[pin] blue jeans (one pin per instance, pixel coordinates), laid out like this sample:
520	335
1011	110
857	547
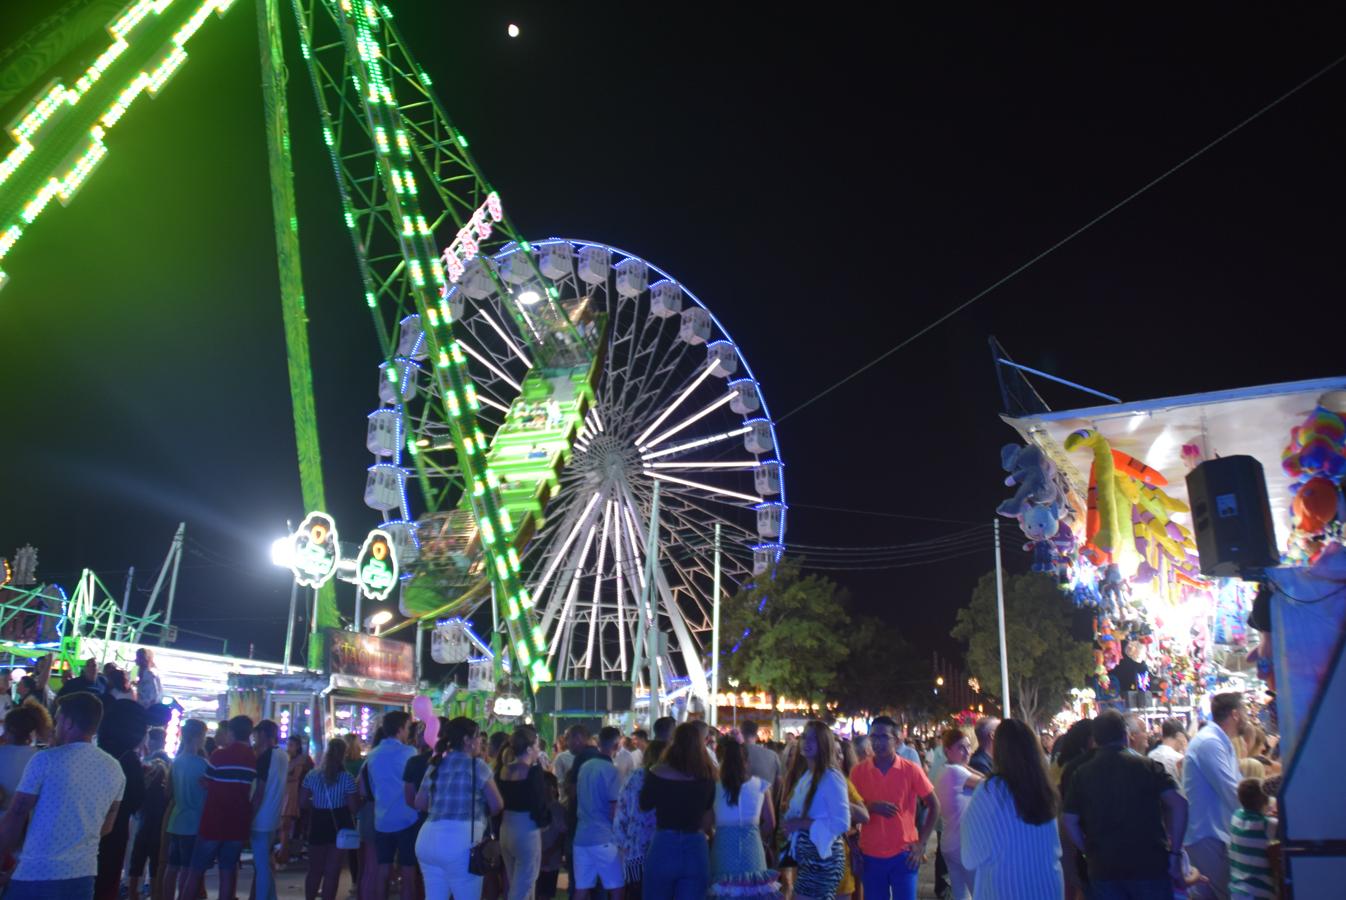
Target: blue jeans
1132	889
886	875
64	889
677	866
264	879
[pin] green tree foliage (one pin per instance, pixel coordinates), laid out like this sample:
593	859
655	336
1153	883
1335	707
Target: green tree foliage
882	672
1045	661
799	636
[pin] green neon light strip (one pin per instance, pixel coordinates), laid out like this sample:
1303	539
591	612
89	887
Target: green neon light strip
422	257
85	149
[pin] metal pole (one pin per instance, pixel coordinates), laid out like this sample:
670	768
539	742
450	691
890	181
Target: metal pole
647	603
289	624
359	603
173	579
715	636
420	647
1000	615
125	630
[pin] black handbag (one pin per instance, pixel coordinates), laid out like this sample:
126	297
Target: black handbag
484	858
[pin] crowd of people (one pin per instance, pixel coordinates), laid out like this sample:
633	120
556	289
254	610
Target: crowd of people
1108	810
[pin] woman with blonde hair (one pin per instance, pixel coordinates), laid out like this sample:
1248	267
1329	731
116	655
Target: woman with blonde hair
817	816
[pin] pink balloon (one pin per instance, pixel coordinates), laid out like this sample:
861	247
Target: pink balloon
422	708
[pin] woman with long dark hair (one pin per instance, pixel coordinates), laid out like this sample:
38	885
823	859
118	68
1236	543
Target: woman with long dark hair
459	794
524	792
818	814
680	789
328	796
1009	836
744	820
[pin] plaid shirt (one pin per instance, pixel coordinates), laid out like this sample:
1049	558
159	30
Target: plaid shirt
451	786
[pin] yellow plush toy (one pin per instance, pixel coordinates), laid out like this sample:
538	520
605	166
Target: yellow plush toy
1108	520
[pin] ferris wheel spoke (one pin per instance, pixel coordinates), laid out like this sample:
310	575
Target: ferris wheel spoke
693	444
485	316
582	521
672	407
598	584
572	587
711	489
689	421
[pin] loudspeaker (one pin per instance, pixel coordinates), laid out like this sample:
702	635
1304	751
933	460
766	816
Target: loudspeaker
1231	517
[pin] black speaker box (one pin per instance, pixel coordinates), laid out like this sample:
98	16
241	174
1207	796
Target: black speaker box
1231	517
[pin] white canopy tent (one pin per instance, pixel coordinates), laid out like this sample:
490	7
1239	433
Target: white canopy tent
1248	421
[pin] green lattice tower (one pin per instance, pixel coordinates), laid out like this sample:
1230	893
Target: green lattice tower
420	180
359	66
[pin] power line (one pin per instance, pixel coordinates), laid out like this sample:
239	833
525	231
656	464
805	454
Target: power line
881	514
1068	238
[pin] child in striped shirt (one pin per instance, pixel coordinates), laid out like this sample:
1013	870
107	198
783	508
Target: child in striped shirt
1250	830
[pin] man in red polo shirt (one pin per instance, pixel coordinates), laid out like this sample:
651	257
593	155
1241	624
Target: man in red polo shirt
890	842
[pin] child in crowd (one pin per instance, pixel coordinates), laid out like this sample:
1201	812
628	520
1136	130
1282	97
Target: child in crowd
1251	830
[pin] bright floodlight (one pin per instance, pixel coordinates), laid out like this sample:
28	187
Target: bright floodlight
513	30
379	619
282	552
528	298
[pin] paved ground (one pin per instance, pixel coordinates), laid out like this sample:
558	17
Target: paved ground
290	883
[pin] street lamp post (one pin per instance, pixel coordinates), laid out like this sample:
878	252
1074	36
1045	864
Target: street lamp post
376	621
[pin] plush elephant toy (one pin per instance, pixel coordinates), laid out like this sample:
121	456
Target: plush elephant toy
1032	475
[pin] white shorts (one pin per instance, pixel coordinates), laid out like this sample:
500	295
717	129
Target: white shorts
598	863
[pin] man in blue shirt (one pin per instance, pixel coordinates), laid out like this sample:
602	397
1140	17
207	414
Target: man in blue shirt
597	859
394	820
1210	779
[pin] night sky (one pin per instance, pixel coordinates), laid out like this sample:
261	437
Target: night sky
828	182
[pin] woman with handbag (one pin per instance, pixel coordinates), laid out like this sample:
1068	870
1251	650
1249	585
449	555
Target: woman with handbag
328	796
519	778
454	847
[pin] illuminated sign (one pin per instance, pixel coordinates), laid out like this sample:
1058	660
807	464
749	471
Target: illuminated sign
367	656
315	552
467	244
376	566
507	706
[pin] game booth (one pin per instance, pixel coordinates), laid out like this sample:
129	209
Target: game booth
363	677
1201	537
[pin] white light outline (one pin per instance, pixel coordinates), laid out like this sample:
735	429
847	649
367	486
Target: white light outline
705	373
704	487
707	410
691	445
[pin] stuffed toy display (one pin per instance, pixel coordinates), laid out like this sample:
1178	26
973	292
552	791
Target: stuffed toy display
1032	475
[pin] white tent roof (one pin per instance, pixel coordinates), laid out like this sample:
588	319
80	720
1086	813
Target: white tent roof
1249	421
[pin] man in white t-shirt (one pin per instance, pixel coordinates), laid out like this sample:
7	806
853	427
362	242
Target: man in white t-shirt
1169	751
72	791
268	794
954	790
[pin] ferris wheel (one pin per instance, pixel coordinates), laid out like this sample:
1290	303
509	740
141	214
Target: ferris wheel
663	396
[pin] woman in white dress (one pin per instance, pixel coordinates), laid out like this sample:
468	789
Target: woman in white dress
1009	835
954	788
743	821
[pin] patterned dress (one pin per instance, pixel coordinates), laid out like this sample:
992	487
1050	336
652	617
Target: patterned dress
634	828
738	866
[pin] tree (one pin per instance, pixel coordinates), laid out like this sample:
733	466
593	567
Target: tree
796	634
882	671
1045	660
